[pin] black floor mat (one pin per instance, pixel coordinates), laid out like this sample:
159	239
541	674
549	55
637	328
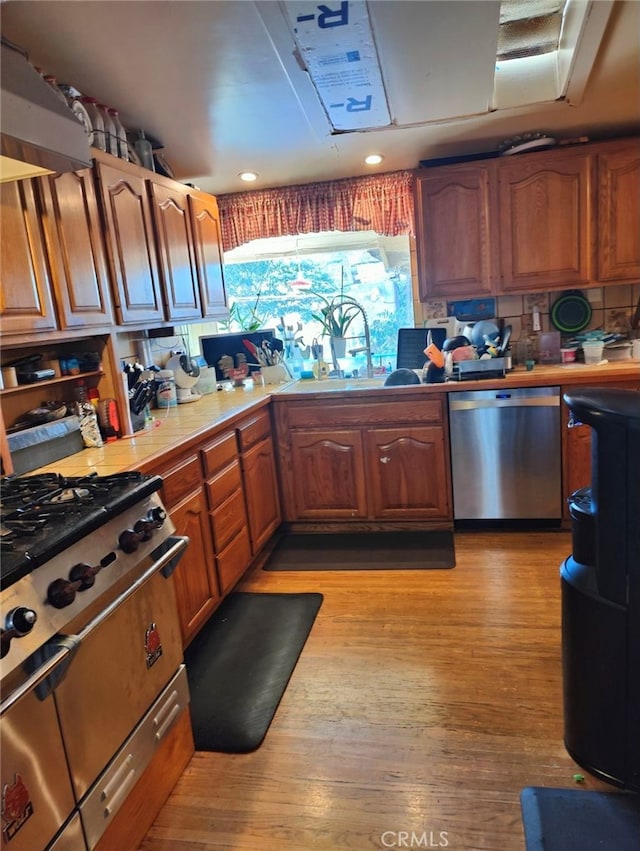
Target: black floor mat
579	820
364	551
240	663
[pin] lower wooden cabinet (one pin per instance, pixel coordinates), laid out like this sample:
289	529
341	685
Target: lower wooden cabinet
259	479
353	461
329	478
227	515
407	472
195	580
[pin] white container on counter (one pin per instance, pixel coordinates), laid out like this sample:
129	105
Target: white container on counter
166	396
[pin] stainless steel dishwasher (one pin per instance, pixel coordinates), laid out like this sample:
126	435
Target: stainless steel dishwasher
505	454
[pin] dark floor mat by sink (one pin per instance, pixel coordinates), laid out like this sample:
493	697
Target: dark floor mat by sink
239	666
364	551
579	820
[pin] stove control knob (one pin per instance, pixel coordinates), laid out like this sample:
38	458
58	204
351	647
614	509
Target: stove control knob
157	516
61	593
129	541
20	621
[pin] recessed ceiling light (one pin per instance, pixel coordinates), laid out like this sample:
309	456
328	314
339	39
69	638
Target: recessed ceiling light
249	176
373	159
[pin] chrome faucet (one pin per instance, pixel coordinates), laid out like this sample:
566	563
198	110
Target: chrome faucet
348	300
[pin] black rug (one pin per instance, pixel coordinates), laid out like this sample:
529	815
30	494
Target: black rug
239	665
579	820
364	551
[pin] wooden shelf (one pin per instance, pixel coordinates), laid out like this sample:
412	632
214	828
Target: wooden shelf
61	379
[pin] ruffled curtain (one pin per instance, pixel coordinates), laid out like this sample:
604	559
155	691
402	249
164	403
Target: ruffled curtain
382	203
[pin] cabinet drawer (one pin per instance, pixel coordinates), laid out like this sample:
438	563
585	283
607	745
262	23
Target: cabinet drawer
251	431
228	519
219	453
234	560
325	414
224	484
181	480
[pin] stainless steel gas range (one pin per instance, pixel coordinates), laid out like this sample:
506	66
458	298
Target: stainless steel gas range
91	661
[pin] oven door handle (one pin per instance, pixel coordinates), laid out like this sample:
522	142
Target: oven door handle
63	646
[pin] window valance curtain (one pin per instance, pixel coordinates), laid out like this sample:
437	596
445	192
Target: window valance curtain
382	203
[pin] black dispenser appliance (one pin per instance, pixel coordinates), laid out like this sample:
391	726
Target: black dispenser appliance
601	594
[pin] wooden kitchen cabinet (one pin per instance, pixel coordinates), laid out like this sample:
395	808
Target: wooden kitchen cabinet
556	219
26	301
130	241
455	223
227	513
76	250
393	455
259	479
546	217
329	480
354	461
195	580
207	244
175	249
619	211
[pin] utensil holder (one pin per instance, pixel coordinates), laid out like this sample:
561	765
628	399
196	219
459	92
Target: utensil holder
276	374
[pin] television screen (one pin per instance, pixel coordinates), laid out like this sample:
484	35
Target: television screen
213	347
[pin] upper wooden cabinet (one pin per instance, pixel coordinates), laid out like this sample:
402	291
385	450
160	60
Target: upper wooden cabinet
619	212
456	254
207	244
557	219
164	246
175	248
76	250
545	220
130	243
26	303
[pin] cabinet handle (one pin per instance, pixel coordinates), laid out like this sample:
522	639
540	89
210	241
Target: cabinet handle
385	459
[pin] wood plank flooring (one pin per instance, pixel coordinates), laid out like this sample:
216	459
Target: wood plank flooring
423	702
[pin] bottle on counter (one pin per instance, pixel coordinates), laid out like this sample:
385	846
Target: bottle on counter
121	133
97	139
145	151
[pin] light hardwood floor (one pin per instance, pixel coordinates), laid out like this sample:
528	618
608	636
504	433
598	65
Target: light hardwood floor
423	702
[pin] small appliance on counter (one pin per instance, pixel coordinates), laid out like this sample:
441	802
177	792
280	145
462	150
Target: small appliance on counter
187	373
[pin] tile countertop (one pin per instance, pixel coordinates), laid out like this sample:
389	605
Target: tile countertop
190	423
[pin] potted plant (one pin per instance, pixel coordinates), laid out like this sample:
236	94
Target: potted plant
335	317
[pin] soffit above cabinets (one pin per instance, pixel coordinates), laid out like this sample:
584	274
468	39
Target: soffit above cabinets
224	86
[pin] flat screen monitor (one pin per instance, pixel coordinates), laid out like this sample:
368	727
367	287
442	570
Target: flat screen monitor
213	347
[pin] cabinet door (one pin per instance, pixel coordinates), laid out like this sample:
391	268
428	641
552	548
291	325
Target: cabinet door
619	213
454	232
76	249
406	473
177	261
329	474
26	303
195	581
261	493
130	245
546	210
207	240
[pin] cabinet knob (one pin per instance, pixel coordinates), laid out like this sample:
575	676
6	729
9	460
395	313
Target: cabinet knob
385	459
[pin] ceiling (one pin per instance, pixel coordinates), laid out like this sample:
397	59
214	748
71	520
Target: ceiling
218	83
